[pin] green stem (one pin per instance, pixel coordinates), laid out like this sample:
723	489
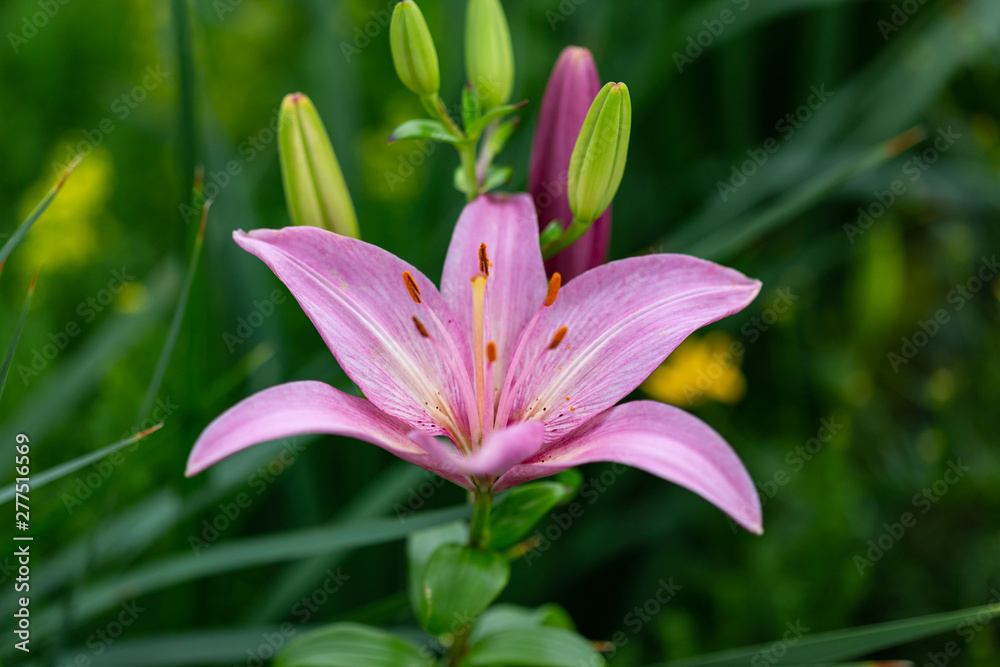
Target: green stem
479	531
466	150
479	538
568	238
467	154
459	647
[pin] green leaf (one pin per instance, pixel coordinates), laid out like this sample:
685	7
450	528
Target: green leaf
499	138
351	645
475	129
551	233
458	584
471	108
52	474
503	617
513	517
22	231
421	545
572	478
424	128
534	647
9	357
232	555
496	176
846	644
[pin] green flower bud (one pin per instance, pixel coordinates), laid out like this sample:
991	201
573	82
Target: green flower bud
413	51
314	185
598	161
489	56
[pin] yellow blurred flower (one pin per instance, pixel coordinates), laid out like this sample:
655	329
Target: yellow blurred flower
66	237
701	369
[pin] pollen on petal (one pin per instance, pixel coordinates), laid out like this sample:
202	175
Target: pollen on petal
411	286
420	327
554	284
557	338
491	352
484	261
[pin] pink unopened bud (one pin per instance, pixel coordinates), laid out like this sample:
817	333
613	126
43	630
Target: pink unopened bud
572	87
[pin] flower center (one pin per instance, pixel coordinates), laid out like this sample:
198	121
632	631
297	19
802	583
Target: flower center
479	393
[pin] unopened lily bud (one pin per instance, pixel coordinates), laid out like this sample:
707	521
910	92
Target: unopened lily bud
568	96
489	56
598	161
314	185
413	52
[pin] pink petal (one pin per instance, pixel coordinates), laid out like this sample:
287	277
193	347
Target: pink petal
572	87
623	319
501	450
662	440
298	408
355	296
516	287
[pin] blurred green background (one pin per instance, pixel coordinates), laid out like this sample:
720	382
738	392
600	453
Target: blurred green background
147	90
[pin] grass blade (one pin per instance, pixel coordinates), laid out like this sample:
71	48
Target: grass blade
61	389
204	647
8	358
63	469
22	231
847	644
376	498
175	323
746	229
237	555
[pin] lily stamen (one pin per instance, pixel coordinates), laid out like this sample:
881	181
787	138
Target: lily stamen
555	282
420	327
558	338
411	287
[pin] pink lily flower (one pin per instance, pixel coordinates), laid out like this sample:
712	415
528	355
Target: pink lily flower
500	377
571	89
